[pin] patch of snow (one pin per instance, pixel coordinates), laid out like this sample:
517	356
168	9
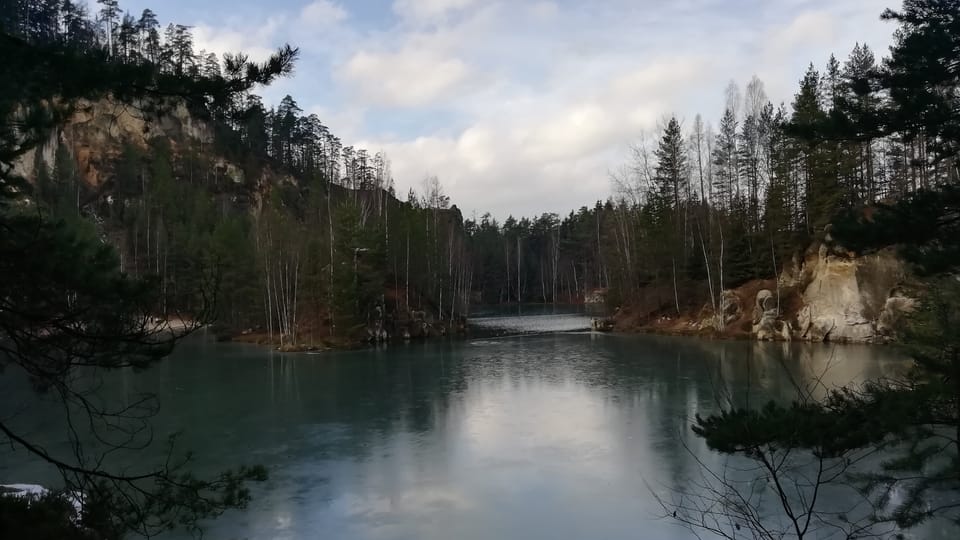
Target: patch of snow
22	490
26	490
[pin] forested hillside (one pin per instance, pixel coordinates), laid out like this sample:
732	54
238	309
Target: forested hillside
702	208
303	238
300	236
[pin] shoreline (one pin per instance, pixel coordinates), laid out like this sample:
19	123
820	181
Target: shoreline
311	343
686	326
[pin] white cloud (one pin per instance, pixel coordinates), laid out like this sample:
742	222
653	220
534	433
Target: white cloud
547	143
786	49
260	37
322	13
524	106
343	122
429	10
544	10
799	34
410	77
533	152
255	42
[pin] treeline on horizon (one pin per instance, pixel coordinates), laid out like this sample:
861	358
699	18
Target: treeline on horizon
312	242
702	209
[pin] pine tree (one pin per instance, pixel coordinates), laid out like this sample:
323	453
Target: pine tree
817	160
78	31
178	49
749	147
860	122
127	38
108	16
922	76
12	16
43	21
831	89
149	37
726	177
670	201
673	188
358	277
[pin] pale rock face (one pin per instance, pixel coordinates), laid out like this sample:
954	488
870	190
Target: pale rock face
844	298
766	325
764	303
595	296
26	164
730	308
849	299
893	311
229	172
96	129
792	272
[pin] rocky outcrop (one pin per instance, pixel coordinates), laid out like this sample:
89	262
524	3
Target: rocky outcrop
95	134
595	296
95	131
730	310
730	307
767	325
894	308
834	295
852	299
828	295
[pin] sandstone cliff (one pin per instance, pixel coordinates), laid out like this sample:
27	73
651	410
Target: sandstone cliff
95	131
839	297
827	295
857	299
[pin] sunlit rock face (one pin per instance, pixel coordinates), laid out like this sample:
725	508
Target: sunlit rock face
96	130
830	295
854	299
95	133
834	295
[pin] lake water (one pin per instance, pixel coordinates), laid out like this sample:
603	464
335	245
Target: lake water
533	436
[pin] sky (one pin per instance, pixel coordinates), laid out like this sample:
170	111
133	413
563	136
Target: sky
522	107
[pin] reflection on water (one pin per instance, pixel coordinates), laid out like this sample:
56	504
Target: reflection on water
544	436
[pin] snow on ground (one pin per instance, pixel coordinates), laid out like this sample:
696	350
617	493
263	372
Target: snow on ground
22	490
26	490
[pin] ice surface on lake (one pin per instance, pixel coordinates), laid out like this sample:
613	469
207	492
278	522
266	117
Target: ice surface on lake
532	324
